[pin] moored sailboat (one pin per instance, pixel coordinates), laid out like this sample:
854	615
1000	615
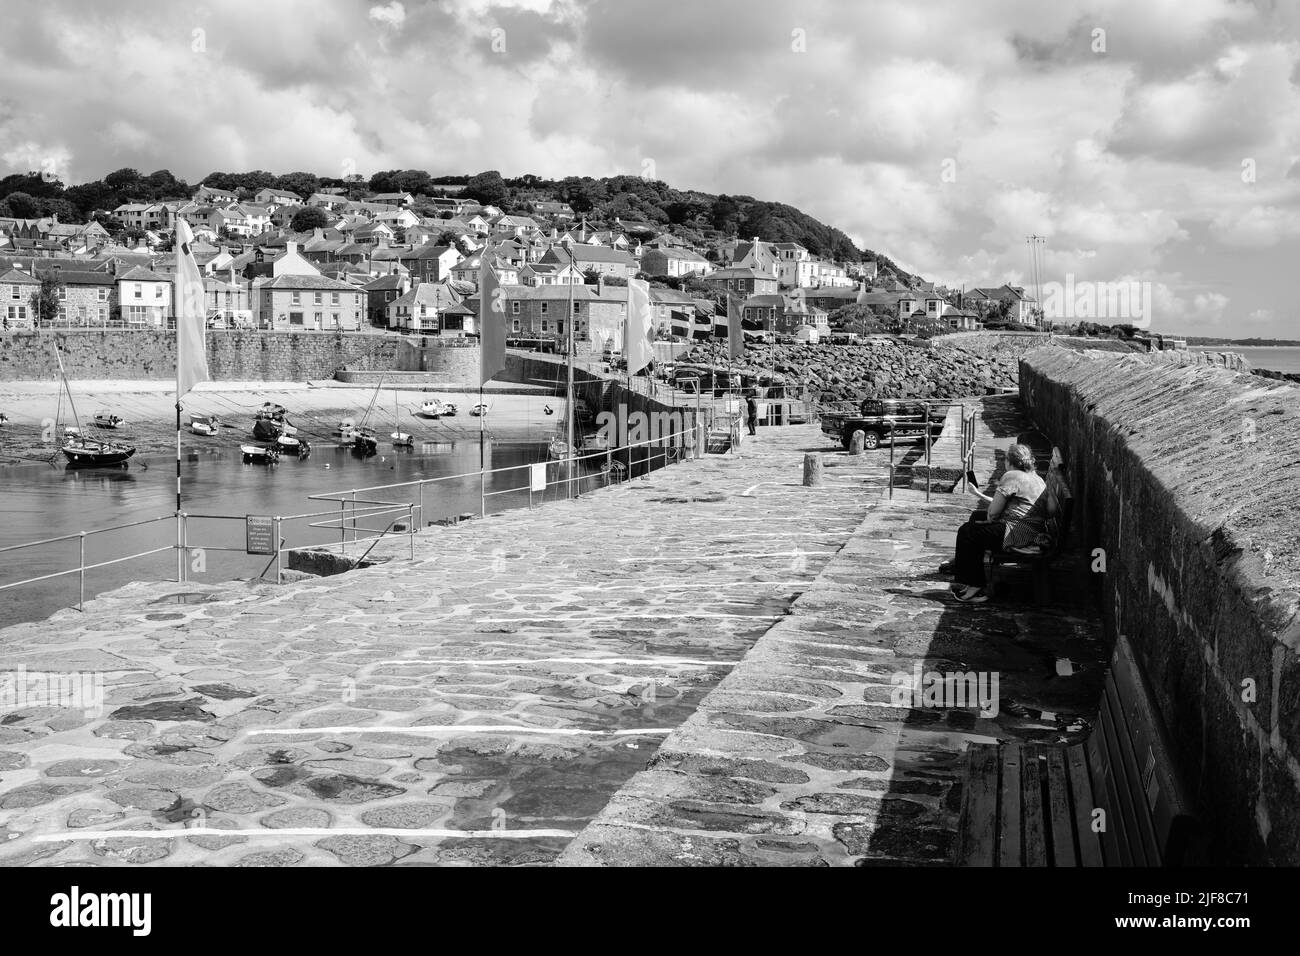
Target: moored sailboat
88	452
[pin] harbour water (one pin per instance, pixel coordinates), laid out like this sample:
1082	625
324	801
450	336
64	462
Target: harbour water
45	501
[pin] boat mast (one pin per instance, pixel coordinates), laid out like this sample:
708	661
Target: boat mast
68	388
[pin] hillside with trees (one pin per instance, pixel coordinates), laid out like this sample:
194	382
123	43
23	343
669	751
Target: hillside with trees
639	206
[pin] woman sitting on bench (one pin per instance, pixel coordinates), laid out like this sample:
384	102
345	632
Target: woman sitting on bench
1017	492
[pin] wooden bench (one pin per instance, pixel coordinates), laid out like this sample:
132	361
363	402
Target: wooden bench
1114	800
1040	563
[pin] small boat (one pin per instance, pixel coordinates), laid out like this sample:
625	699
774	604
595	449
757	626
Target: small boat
105	420
365	443
403	440
204	424
434	408
259	454
96	454
479	410
593	443
448	409
4	419
270	422
71	431
289	445
558	448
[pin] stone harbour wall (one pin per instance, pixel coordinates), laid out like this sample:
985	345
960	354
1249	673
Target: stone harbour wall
1186	476
232	355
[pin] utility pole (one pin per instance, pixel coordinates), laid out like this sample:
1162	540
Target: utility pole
1035	243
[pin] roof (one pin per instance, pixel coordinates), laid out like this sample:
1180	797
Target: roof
14	276
141	274
428	251
436	294
384	283
742	272
581	252
312	283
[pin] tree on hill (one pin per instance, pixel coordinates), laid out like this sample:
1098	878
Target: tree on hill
487	188
308	218
22	206
413	181
300	184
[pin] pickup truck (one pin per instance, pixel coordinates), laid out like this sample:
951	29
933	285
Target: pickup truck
882	419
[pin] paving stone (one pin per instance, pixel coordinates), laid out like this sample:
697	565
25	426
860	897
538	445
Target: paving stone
366	850
239	798
297	818
142	798
285	856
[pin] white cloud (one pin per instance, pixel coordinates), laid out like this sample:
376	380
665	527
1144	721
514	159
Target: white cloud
391	14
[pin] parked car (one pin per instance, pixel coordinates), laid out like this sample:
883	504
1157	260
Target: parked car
882	419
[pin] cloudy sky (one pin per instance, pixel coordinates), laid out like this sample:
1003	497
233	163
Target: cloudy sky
1154	141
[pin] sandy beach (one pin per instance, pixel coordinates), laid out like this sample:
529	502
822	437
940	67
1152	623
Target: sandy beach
315	408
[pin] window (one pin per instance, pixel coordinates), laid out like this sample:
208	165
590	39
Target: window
297	298
16	293
577	307
318	298
334	299
158	292
515	325
63	293
295	318
334	317
544	305
319	317
139	291
101	295
544	326
514	307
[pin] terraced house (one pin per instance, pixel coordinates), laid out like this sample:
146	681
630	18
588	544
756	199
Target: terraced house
145	298
301	303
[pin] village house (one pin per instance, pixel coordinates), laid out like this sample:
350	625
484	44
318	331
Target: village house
228	303
382	292
675	262
550	273
309	303
467	270
553	210
266	262
541	312
513	226
277	197
421	309
327	201
759	255
1020	305
208	195
395	199
145	298
743	280
602	259
16	291
429	262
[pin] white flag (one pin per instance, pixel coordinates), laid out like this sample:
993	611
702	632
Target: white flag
638	341
191	315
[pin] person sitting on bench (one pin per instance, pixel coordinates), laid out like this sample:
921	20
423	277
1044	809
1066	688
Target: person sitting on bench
1017	492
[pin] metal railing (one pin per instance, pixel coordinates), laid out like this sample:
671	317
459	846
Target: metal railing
360	506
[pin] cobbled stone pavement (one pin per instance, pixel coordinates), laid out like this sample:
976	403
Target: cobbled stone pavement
803	756
478	705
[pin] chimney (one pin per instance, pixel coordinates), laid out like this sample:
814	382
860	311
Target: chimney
291	247
318	233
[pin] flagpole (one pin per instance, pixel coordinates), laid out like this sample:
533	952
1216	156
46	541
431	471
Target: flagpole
177	301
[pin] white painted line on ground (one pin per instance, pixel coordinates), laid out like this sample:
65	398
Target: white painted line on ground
587	618
714	557
455	729
297	831
675	661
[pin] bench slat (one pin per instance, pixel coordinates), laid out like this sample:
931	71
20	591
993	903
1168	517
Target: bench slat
1009	818
1160	791
1120	823
1137	815
1084	802
1058	809
979	807
1031	800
